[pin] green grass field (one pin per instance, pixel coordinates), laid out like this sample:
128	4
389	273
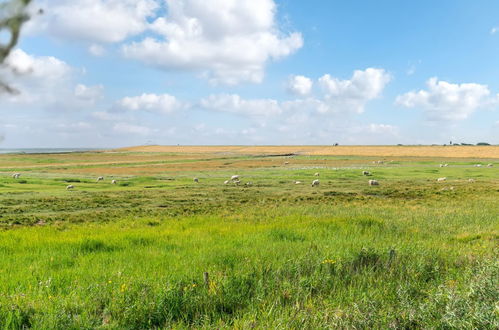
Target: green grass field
409	253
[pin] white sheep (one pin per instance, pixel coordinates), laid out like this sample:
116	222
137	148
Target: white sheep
196	180
100	178
16	175
478	165
441	179
441	165
297	182
113	181
226	181
69	187
286	163
445	165
315	183
366	173
373	182
234	177
471	180
490	165
317	174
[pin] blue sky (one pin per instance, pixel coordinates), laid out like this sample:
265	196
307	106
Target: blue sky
109	73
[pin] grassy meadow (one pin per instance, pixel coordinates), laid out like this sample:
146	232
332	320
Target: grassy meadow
158	250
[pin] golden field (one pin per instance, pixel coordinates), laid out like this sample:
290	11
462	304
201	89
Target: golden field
379	151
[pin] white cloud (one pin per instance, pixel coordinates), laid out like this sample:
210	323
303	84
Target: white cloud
163	103
235	104
89	93
96	50
446	101
101	21
38	79
382	129
107	116
300	85
494	30
352	95
229	41
132	129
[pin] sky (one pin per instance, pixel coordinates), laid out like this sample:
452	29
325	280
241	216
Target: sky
113	73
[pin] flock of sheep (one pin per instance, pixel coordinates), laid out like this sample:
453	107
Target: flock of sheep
235	179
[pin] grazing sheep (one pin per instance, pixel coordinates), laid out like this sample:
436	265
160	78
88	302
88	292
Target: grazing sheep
237	182
478	165
366	173
234	178
297	182
441	165
196	180
226	182
373	183
441	179
286	163
101	178
69	187
490	165
315	183
113	181
471	180
445	165
16	175
316	174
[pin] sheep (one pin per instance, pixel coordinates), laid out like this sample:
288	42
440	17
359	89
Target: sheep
286	163
490	165
315	183
316	174
373	183
445	165
237	182
70	187
234	178
113	181
100	178
471	180
441	165
478	165
16	175
196	180
226	182
441	179
297	182
366	173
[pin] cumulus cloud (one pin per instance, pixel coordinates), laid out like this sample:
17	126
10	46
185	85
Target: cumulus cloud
300	85
228	41
163	103
89	93
233	103
36	78
94	21
352	95
45	82
132	129
446	101
96	50
382	129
